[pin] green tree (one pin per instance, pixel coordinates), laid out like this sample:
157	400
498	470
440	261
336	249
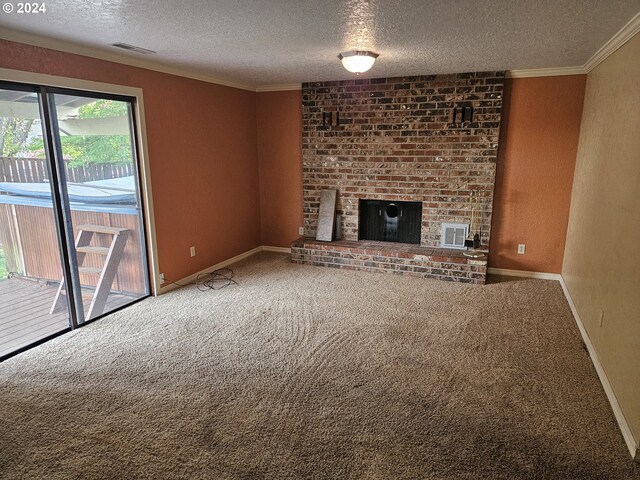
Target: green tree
13	135
87	149
103	109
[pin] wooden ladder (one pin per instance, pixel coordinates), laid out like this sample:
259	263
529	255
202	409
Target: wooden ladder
107	273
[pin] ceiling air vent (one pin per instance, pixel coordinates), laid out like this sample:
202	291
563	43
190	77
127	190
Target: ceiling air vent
133	48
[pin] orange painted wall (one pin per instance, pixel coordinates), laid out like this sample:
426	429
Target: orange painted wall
202	151
279	117
226	163
536	160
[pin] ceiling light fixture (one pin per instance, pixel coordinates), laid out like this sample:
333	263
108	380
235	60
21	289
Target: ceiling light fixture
358	61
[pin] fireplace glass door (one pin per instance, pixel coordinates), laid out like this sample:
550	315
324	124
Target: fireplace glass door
388	221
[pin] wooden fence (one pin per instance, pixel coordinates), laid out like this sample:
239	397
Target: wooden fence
34	170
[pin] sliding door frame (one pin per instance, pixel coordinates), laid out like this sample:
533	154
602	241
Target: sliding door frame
60	199
57	84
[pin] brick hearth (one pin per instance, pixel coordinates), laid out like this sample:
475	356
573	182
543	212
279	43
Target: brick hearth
399	258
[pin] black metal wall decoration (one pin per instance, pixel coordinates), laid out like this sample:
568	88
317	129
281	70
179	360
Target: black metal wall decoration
327	119
462	114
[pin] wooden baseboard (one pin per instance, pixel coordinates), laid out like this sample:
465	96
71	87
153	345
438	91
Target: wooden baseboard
524	273
604	380
223	264
266	248
633	447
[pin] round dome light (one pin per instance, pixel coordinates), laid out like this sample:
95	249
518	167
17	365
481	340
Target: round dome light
358	61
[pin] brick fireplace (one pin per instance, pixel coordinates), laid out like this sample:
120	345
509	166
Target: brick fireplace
427	139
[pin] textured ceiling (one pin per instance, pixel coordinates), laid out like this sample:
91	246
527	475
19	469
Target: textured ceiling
267	42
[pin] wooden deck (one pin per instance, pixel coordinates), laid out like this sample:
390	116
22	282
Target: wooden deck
25	317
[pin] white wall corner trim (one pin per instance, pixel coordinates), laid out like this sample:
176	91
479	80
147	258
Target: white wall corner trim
279	88
619	39
167	287
524	273
611	396
546	72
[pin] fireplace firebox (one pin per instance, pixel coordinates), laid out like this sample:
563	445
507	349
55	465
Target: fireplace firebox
390	221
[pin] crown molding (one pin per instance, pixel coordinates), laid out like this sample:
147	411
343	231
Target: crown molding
627	32
74	48
619	39
546	72
279	88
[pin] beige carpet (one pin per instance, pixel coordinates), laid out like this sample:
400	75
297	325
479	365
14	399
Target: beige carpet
306	372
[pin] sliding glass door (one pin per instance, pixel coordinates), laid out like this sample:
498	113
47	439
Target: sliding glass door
95	137
28	235
70	211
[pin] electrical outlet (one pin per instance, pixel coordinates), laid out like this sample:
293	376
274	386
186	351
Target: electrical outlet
300	230
192	251
601	316
521	249
161	278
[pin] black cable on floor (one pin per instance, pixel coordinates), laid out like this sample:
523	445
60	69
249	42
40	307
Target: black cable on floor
215	280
